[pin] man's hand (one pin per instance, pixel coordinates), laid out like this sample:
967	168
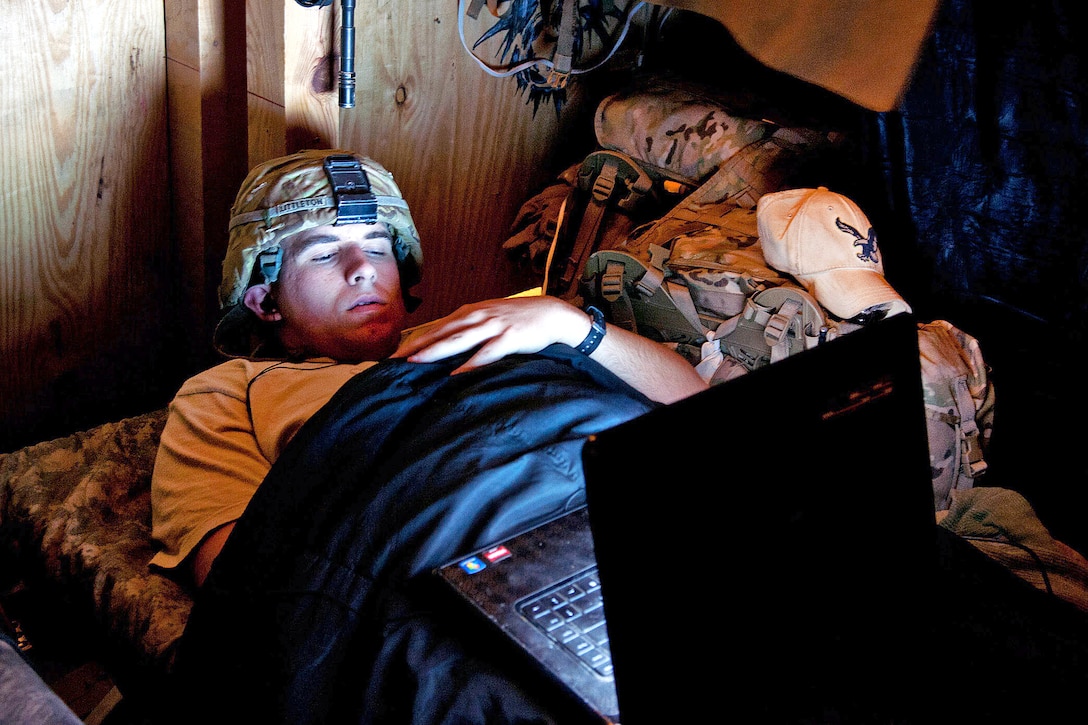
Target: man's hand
501	327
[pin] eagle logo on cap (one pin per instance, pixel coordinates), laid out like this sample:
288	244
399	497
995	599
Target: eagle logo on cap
868	251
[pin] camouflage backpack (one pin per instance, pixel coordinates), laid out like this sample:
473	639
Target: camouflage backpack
959	402
696	279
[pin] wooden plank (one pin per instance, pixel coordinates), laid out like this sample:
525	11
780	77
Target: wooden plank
187	170
266	120
84	209
182	20
187	195
290	54
267	129
224	139
265	48
208	132
311	62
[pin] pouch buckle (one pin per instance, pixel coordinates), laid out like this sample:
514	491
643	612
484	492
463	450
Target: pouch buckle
610	173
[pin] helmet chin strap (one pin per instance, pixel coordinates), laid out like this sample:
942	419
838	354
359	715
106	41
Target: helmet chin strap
270	261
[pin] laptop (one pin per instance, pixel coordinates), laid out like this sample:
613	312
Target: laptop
760	551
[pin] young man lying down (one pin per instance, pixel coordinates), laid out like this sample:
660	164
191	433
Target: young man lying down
307	482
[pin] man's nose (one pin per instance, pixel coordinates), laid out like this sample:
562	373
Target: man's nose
358	266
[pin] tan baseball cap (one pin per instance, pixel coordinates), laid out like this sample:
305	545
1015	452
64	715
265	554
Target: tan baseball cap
291	194
827	243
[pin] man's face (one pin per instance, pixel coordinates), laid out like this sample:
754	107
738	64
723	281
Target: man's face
339	293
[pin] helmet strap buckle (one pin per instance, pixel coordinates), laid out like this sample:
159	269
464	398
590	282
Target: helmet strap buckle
270	261
355	203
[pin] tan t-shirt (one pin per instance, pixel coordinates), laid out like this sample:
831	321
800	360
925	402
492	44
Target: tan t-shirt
227	426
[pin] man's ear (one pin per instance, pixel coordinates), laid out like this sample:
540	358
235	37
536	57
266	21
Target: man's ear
259	300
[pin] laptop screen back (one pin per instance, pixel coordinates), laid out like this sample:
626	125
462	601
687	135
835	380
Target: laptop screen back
764	546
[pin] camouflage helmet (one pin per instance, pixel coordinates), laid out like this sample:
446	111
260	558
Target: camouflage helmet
291	194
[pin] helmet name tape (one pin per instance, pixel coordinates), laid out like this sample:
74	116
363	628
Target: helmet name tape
287	207
355	203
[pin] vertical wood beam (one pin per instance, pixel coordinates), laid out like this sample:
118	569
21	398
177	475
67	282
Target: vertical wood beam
292	63
311	65
206	75
264	79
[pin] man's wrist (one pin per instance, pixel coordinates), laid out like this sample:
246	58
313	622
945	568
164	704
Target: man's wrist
596	331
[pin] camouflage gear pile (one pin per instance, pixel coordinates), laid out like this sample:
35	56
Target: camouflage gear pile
682	262
658	143
679	132
697	279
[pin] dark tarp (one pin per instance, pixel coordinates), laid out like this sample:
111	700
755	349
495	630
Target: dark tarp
985	177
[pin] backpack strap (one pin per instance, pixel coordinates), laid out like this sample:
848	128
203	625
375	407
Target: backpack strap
612	179
639	298
563	57
972	464
655	273
962	420
615	296
776	323
680	296
777	327
654	282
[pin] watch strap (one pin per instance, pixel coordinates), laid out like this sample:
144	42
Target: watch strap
596	331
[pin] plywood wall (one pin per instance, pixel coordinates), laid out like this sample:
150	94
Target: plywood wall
85	263
247	82
291	59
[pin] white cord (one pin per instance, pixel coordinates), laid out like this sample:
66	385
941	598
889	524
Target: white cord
555	243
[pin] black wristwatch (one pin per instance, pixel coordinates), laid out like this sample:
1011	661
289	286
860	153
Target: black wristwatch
596	331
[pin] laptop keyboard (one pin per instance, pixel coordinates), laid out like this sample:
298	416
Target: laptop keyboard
572	614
